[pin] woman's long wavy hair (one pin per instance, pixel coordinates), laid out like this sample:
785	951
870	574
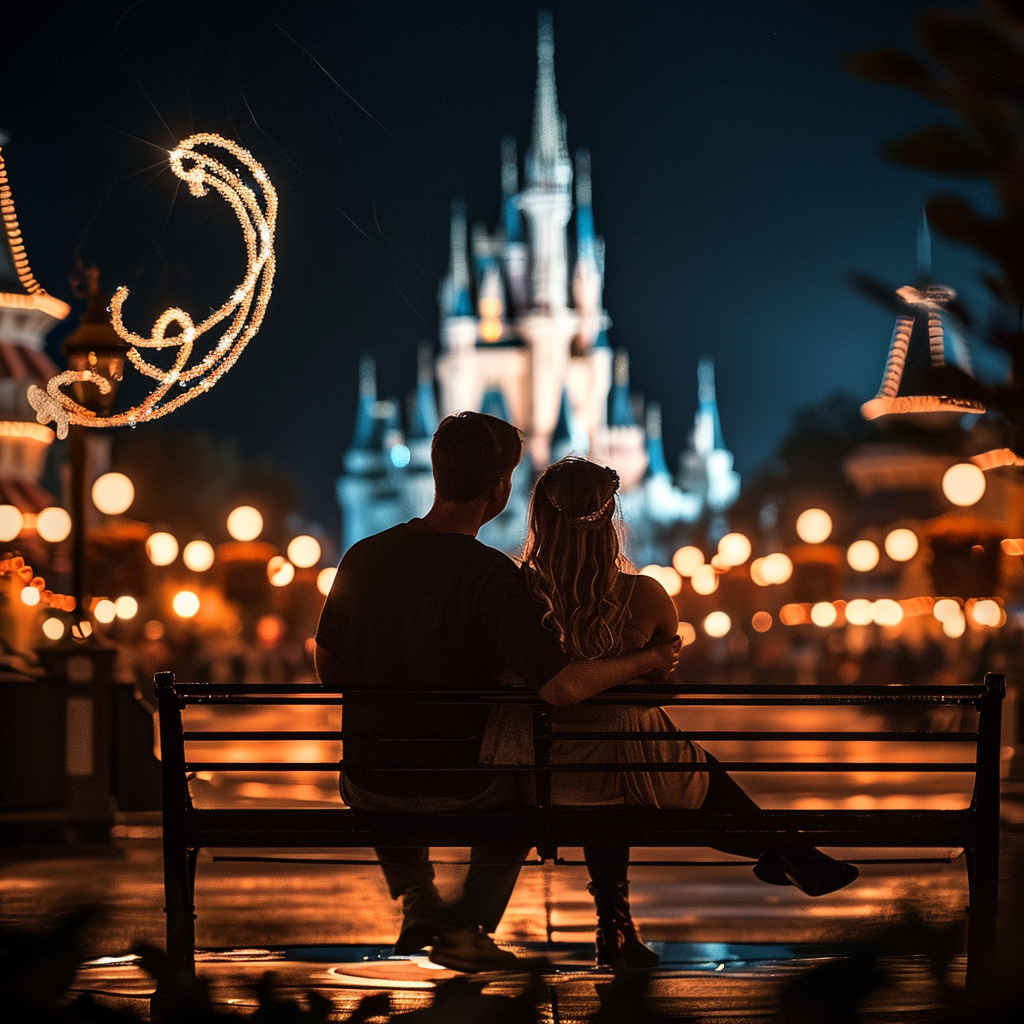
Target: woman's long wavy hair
573	556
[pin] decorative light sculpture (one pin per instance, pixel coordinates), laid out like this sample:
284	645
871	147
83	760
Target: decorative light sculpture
242	313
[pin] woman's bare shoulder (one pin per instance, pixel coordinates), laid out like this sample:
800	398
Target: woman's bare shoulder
650	607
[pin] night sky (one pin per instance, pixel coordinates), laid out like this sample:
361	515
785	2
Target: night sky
737	183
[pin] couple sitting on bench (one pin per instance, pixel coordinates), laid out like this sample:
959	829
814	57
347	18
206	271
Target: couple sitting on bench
425	606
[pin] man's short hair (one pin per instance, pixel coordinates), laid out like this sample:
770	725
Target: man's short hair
471	452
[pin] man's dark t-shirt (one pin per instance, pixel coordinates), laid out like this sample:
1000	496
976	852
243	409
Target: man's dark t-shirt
413	611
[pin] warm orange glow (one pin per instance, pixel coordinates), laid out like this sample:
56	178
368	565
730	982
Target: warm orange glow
1014	546
30	596
963	484
270	630
757	572
687	559
813	525
987	613
717	624
11	522
304	551
280	571
858	612
913	606
824	614
21	428
113	493
53	629
777	567
53	524
704	580
666	576
734	549
245	523
198	555
185	604
325	579
794	614
126	607
901	545
887	612
491	329
761	621
862	555
162	548
153	630
954	627
105	611
686	633
946	609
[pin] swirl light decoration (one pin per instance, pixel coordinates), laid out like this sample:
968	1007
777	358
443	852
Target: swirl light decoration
242	313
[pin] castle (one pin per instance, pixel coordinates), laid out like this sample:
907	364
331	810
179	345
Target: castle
512	345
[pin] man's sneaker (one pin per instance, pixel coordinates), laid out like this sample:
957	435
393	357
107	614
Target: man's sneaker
421	911
470	949
810	870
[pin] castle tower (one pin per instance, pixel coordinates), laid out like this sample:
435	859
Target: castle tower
27	314
622	444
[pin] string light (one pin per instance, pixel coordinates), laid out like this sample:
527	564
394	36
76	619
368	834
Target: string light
325	579
11	522
16	567
243	312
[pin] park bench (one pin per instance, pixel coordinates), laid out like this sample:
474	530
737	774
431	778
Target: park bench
967	716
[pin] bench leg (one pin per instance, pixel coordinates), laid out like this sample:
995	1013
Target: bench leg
179	890
983	887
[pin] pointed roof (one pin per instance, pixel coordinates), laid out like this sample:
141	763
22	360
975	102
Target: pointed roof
423	418
458	267
509	188
362	436
620	404
548	159
707	426
584	211
493	404
656	464
18	288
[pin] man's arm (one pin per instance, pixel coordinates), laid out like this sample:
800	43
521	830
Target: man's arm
327	668
582	679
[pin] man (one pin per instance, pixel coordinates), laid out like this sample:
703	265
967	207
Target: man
425	606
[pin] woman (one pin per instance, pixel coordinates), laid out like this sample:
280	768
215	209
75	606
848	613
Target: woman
584	586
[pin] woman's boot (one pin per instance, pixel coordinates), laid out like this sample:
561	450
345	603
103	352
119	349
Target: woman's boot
617	944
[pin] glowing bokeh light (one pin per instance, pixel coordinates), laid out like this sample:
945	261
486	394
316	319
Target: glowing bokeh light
666	576
325	579
862	555
105	611
704	580
946	608
762	622
304	551
245	523
757	572
53	629
198	555
113	493
963	484
687	559
901	545
11	522
813	525
954	627
153	630
717	624
185	604
126	607
270	630
777	567
53	524
887	612
734	549
161	547
280	571
30	596
987	613
858	612
1010	546
824	614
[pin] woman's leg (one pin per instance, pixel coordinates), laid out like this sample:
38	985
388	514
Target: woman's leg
617	944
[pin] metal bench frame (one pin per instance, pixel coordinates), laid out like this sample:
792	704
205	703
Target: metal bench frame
187	829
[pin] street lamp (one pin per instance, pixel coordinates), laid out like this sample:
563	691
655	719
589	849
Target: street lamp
94	346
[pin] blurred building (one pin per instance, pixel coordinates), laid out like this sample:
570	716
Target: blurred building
524	336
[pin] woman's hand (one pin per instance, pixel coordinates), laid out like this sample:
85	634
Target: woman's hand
664	658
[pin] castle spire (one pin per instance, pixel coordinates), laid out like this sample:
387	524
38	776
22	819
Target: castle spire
707	431
548	160
584	210
620	412
509	188
459	303
423	418
363	433
656	464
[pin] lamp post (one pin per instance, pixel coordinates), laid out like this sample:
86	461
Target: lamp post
93	345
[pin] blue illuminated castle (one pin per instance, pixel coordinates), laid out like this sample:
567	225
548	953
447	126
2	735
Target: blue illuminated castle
513	344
